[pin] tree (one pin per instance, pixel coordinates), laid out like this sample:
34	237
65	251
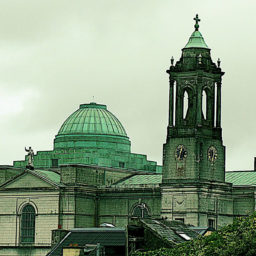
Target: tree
237	239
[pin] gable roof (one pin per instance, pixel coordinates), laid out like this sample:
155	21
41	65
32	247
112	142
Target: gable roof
83	236
141	179
33	178
49	175
239	178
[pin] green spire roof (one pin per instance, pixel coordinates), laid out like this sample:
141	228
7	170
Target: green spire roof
92	119
196	40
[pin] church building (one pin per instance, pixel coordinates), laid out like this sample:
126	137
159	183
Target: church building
92	178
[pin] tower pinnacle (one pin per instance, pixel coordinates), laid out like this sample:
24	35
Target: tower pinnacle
196	19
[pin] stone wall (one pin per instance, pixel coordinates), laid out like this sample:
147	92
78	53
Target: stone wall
244	200
116	204
196	164
89	175
46	205
196	203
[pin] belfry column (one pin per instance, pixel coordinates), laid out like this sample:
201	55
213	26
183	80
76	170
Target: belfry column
199	108
218	117
171	103
179	105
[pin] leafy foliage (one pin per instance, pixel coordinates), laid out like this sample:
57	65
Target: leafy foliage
237	239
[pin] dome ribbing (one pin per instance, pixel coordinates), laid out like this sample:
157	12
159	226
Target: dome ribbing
92	119
92	128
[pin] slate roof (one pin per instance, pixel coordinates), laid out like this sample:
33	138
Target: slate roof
49	175
239	178
145	179
83	236
235	177
172	231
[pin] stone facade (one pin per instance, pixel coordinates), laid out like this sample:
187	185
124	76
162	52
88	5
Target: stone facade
27	189
77	196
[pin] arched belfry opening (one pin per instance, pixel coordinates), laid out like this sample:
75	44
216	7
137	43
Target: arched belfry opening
204	104
185	104
208	106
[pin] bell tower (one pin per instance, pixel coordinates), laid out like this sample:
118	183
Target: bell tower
194	148
193	185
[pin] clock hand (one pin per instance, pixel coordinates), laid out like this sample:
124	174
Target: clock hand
180	152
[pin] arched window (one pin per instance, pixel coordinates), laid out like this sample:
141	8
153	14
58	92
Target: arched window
140	211
27	225
204	104
185	104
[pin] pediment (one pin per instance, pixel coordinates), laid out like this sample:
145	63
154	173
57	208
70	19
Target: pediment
27	180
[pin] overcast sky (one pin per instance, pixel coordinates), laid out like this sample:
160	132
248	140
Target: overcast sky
55	55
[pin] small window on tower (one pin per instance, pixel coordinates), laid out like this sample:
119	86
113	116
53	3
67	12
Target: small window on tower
55	163
121	164
211	223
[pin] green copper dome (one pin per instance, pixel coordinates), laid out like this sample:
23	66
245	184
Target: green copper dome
196	40
92	119
92	128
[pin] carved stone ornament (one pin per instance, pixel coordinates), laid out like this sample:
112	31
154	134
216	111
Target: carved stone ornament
189	82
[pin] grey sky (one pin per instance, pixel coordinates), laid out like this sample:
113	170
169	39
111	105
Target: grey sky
55	55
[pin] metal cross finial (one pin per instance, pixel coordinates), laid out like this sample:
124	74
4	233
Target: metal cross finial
196	19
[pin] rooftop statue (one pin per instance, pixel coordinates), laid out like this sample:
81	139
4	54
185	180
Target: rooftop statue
30	158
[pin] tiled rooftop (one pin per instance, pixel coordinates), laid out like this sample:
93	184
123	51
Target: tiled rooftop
241	177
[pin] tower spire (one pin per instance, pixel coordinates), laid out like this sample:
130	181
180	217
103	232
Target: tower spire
197	20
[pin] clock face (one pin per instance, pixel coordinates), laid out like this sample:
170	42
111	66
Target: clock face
181	152
212	154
